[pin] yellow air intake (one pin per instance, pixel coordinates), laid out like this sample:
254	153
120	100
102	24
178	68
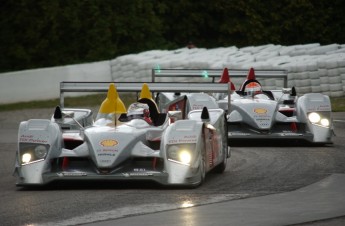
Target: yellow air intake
146	97
145	92
112	104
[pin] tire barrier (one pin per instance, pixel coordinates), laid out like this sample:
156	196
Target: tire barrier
311	68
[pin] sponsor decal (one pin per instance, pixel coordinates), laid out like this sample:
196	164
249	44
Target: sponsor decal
111	150
106	154
109	143
260	111
184	139
240	134
197	106
108	150
291	134
262	119
71	174
137	174
325	107
31	139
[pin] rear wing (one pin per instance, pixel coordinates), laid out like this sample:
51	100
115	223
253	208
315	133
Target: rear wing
215	73
102	87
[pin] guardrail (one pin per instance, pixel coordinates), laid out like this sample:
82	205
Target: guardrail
214	73
68	86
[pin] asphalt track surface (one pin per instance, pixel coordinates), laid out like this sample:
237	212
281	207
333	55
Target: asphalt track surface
255	171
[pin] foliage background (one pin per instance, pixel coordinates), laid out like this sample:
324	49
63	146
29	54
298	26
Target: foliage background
44	33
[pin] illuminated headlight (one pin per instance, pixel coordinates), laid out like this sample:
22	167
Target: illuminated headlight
26	158
314	117
30	153
185	157
181	153
324	122
320	118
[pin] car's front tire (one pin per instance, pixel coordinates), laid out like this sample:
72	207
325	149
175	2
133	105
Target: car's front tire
226	153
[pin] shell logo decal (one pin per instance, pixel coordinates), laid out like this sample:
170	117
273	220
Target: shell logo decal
260	110
109	143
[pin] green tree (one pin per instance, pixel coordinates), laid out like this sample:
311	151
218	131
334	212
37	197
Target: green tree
40	33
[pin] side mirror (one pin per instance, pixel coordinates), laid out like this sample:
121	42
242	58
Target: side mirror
287	90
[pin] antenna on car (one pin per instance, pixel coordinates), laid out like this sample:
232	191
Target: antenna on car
70	115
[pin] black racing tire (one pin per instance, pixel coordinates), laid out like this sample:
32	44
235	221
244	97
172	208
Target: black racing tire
222	166
202	173
202	170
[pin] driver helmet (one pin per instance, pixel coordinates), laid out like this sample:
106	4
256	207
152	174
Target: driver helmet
253	88
138	111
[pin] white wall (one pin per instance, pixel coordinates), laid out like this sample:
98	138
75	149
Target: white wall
44	84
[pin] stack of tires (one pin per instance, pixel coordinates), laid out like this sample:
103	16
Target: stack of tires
311	67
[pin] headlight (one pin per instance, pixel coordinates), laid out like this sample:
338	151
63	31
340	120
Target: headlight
40	151
30	153
185	156
314	117
320	118
181	153
324	122
26	158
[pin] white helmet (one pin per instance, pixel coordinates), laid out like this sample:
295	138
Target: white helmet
253	88
138	110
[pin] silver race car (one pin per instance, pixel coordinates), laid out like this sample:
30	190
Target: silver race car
256	113
278	114
171	147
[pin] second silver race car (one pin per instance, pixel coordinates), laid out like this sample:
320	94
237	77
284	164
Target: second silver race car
257	113
254	113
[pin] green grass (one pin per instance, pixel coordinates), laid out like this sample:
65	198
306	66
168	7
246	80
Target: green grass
338	104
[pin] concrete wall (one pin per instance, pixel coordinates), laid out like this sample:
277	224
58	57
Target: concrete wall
44	84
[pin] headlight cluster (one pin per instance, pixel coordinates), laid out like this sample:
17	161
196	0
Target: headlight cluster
30	153
319	119
181	153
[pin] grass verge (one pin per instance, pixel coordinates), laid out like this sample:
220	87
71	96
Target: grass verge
338	104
